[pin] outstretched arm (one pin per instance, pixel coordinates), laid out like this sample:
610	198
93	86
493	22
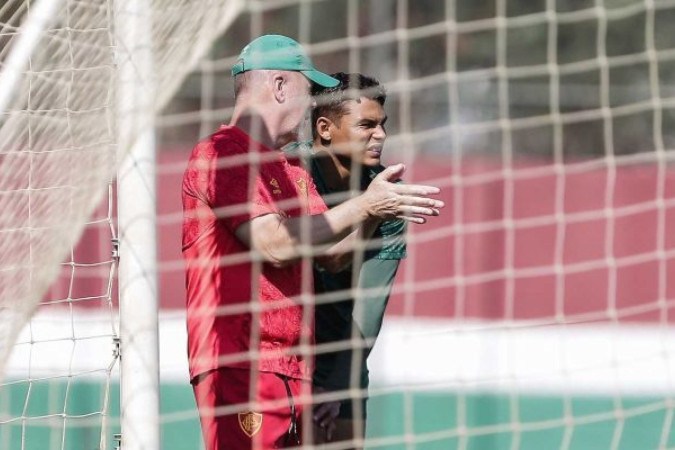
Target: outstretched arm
341	254
280	240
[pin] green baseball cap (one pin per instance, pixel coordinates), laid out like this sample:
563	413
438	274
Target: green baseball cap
276	52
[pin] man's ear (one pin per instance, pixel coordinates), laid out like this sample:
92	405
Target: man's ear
323	125
279	87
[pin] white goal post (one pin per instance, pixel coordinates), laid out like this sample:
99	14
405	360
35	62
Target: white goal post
81	82
536	312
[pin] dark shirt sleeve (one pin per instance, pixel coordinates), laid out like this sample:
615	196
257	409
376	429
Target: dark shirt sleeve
375	283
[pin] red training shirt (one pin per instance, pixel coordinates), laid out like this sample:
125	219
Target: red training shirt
222	189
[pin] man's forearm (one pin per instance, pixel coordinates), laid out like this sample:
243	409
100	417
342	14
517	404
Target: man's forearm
331	226
340	255
284	240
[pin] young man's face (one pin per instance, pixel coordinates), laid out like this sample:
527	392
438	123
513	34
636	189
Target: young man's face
360	134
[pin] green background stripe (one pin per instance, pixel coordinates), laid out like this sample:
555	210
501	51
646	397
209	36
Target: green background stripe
426	420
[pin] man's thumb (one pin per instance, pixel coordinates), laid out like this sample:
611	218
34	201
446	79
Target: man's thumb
393	172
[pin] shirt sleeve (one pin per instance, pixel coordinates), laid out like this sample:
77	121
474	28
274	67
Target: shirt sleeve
375	282
391	235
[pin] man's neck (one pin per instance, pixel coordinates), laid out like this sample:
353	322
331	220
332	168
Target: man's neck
260	126
334	171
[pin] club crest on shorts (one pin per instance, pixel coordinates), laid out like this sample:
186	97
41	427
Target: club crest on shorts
250	422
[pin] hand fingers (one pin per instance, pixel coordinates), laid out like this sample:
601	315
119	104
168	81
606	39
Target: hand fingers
326	412
413	200
413	219
393	172
414	210
321	412
416	189
329	431
416	214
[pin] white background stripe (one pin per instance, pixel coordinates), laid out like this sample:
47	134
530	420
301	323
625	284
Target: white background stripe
413	354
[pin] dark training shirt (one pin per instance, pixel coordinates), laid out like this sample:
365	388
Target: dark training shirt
335	320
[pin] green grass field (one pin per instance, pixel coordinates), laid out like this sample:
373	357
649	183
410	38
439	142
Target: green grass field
397	421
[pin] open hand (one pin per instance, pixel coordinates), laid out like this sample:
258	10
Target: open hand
387	200
324	415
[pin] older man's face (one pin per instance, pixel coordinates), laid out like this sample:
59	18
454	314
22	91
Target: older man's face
298	101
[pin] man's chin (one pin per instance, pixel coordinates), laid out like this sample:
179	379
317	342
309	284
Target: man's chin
371	162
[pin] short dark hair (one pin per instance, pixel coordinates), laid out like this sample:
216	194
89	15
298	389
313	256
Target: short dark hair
330	102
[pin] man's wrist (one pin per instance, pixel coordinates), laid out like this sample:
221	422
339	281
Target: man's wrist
362	208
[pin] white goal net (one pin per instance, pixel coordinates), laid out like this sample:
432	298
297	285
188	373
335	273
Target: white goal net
62	92
536	312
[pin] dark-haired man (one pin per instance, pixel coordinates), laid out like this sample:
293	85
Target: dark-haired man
348	127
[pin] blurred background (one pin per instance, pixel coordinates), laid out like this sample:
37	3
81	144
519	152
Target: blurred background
537	311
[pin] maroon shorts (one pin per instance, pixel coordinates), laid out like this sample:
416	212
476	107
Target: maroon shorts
229	422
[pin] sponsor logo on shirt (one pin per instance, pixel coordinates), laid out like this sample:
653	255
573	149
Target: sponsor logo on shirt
302	184
275	186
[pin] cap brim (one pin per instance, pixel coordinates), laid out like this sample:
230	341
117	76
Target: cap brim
320	78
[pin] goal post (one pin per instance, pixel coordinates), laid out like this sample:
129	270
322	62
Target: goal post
536	312
136	220
78	98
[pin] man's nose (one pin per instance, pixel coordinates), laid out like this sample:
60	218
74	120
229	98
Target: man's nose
380	133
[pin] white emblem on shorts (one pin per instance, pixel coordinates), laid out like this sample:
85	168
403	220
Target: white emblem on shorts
250	422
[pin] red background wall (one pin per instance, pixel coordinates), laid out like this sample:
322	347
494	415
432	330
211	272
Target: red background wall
587	244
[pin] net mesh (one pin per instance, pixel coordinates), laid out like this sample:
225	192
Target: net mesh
61	142
536	313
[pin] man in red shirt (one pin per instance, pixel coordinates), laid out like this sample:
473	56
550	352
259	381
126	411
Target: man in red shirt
252	222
